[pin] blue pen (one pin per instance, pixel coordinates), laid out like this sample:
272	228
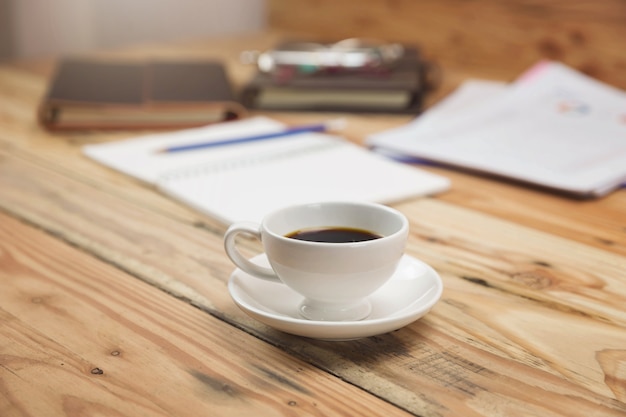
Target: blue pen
320	127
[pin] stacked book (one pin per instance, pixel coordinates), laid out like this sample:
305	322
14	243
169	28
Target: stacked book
396	89
106	94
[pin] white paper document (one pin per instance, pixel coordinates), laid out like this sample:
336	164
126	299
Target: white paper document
246	181
552	127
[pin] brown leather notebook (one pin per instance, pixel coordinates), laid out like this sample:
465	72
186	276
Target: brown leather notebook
399	90
138	95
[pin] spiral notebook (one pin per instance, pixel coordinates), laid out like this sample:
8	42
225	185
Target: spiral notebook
246	181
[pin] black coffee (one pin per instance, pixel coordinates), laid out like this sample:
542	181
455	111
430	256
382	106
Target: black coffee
333	235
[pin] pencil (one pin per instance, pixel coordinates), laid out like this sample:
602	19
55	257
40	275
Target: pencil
319	127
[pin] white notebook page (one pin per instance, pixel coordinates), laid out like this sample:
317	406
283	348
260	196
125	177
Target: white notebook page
246	181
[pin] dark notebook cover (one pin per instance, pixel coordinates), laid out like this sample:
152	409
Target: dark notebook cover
400	89
103	94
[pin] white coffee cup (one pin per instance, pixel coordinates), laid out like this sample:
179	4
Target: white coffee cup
335	279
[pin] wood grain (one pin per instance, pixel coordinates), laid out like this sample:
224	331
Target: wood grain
87	339
488	265
599	223
531	322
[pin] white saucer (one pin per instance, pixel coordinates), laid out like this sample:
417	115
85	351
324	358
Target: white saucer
410	294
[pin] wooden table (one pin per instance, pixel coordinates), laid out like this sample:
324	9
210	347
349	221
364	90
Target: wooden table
113	298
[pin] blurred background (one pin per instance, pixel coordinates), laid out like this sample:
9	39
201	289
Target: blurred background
496	38
40	28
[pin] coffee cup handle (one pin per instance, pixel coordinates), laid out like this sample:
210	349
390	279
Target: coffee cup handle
250	229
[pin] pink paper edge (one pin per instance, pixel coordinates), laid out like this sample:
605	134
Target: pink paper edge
534	71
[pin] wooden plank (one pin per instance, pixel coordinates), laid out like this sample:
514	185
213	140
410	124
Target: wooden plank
459	360
600	224
80	337
487	265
